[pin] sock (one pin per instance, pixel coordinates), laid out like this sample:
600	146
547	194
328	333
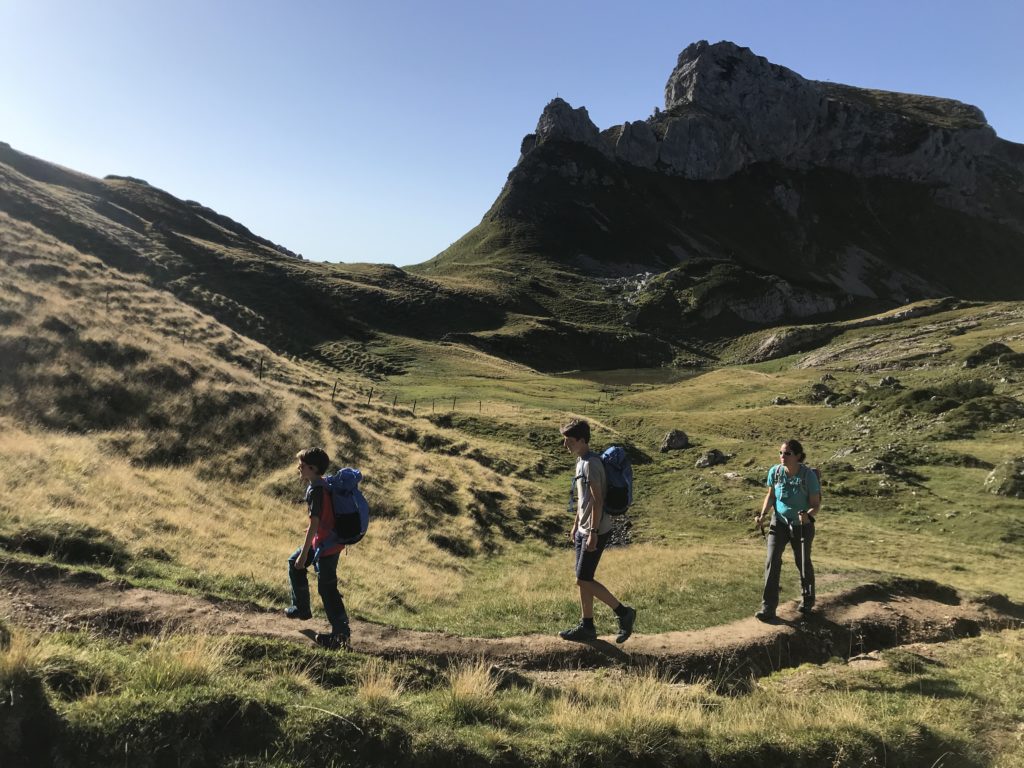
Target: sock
589	623
621	610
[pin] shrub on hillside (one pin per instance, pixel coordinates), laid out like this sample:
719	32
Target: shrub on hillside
69	542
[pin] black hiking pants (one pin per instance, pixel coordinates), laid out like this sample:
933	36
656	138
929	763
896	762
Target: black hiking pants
326	585
779	535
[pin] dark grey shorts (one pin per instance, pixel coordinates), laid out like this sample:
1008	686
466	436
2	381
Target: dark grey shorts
586	562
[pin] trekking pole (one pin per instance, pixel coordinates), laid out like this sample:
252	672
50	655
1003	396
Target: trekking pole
792	537
803	563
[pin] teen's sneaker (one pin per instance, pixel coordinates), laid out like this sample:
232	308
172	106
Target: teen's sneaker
331	641
579	634
806	607
294	612
765	614
626	622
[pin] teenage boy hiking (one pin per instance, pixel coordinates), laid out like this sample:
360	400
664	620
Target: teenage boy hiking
320	547
591	531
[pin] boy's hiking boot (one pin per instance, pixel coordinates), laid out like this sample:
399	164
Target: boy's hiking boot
294	612
581	633
766	615
806	607
626	622
332	642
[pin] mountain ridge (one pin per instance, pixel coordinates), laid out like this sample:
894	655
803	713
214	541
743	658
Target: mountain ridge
630	246
861	200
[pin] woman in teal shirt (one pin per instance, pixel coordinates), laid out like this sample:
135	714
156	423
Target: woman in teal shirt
794	495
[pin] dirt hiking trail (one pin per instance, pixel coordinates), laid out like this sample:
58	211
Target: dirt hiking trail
863	619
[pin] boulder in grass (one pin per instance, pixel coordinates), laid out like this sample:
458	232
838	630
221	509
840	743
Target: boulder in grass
675	440
986	354
819	392
711	458
1012	360
1007	479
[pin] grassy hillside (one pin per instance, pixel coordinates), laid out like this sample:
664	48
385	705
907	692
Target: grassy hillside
476	487
152	399
160	440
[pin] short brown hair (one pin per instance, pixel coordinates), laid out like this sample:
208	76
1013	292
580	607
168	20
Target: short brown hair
316	458
577	428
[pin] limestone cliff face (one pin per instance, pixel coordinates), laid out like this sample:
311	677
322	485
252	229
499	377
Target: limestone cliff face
758	197
727	109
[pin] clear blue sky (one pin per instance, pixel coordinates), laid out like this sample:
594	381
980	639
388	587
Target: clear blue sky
382	131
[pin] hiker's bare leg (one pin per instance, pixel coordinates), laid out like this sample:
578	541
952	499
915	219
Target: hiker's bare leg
586	600
591	589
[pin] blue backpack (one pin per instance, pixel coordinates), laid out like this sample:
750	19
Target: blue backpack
619	474
351	510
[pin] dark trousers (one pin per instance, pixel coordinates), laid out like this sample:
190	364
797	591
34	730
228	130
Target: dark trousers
326	585
779	535
586	562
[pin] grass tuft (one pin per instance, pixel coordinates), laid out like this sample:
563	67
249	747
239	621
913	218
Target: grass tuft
471	692
379	686
176	661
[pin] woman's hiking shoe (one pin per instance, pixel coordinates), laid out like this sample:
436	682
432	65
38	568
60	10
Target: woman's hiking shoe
626	622
294	612
579	634
331	641
765	615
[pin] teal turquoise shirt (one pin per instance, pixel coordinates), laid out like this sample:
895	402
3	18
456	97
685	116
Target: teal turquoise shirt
793	494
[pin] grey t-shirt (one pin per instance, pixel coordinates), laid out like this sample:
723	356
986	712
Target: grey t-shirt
590	471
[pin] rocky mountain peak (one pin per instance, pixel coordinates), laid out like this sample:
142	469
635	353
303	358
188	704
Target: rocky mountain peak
719	76
728	109
560	122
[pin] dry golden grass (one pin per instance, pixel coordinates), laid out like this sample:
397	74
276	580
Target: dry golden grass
22	659
174	661
644	710
471	692
229	506
379	686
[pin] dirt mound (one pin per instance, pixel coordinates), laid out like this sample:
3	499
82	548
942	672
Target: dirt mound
857	621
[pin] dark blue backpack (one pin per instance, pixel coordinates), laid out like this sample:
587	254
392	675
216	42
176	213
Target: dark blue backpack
619	474
351	510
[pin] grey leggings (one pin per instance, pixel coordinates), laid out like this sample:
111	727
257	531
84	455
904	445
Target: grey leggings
779	535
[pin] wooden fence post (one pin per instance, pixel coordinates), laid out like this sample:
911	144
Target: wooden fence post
261	366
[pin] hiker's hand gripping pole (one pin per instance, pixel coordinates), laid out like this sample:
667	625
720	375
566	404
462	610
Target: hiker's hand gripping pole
767	508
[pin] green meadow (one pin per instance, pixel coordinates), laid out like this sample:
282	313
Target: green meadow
146	442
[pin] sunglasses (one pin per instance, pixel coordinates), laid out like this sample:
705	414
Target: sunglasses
785	453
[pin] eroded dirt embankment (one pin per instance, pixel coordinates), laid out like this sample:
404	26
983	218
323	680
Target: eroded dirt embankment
866	618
